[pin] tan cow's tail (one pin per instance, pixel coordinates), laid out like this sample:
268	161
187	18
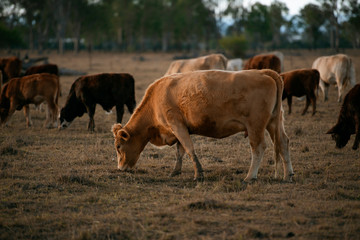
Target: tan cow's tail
351	73
279	86
224	61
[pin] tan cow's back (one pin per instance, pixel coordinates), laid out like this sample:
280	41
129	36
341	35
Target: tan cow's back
212	61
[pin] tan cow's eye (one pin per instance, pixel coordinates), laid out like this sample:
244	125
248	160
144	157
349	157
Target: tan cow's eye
118	146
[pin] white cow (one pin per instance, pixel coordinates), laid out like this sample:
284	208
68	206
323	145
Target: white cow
235	64
336	70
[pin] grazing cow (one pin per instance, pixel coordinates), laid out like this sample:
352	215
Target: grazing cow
299	83
36	88
107	89
209	103
349	120
264	61
234	64
212	61
280	55
44	68
337	69
10	67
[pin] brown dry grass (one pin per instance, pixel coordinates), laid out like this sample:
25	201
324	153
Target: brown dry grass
64	184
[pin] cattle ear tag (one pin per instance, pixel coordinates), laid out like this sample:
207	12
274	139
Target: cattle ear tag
116	128
124	135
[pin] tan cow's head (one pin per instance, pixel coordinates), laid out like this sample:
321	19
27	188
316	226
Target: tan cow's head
127	149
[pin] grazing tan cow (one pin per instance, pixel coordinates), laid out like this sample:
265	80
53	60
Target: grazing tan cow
209	103
212	61
336	70
264	61
36	88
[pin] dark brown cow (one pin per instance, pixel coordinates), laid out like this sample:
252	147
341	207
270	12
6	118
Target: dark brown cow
106	89
10	67
208	103
348	122
264	61
45	68
299	83
36	88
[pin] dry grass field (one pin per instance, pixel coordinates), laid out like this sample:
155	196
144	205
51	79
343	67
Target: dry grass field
65	184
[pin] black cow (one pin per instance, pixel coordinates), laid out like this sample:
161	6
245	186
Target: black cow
349	120
106	89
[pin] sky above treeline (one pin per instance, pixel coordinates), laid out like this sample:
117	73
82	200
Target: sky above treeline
293	5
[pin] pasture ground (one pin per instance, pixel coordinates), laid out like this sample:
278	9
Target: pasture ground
65	185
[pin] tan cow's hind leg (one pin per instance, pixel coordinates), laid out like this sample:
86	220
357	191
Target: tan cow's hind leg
340	92
183	136
281	146
258	146
180	151
27	116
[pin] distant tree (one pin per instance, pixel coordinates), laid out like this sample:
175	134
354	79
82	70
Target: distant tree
352	27
277	9
331	12
258	25
311	19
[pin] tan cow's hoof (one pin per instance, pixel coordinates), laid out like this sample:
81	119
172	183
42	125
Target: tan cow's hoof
199	178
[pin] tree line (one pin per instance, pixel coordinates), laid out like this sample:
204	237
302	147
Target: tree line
173	25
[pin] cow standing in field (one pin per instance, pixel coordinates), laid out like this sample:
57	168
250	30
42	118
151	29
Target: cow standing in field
44	68
299	83
337	69
348	122
212	61
264	61
234	64
10	67
33	89
208	103
107	89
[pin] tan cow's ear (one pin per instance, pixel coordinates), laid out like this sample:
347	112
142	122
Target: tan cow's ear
124	135
116	128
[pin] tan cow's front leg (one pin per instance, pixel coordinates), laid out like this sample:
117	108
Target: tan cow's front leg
180	151
183	136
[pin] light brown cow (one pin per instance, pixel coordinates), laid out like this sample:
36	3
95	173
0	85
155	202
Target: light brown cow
209	103
212	61
264	61
336	70
36	88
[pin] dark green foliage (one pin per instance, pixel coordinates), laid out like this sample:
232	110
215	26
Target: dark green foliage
235	46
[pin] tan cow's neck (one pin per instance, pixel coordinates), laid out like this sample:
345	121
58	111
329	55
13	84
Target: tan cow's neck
139	123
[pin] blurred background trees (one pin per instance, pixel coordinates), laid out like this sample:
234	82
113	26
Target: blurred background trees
176	25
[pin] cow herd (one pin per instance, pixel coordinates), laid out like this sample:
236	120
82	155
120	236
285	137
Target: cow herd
208	96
